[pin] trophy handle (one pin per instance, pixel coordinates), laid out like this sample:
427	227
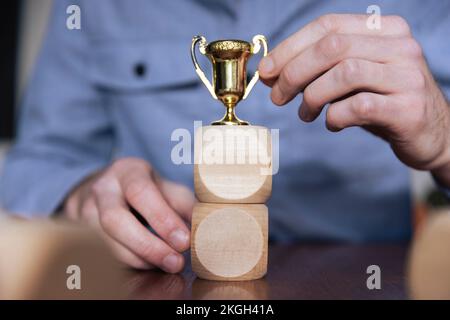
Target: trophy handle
257	41
199	70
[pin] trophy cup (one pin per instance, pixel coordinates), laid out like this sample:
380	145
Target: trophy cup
229	229
229	61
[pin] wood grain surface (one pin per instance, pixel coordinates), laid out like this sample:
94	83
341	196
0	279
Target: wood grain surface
233	164
229	241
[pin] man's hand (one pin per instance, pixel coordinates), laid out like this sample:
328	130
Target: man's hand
377	79
106	198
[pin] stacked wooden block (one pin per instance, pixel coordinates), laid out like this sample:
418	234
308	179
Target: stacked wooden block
233	180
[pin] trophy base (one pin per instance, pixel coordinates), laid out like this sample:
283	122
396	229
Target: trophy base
236	122
230	119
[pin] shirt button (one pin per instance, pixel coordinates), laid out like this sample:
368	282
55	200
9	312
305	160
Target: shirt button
140	69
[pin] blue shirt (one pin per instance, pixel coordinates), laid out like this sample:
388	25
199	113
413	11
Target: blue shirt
86	105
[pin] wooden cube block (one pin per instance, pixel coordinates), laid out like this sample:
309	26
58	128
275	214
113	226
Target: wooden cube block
233	164
229	241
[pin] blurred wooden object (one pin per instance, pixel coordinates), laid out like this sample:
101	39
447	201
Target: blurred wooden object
420	214
38	260
229	241
429	261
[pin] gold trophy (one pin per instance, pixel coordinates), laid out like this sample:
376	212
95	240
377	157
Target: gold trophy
229	62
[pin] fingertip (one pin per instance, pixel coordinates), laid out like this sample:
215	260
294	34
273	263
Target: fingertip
331	121
173	263
277	96
332	128
303	113
268	81
266	67
180	240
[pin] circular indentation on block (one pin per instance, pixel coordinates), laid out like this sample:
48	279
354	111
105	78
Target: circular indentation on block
229	242
232	182
233	163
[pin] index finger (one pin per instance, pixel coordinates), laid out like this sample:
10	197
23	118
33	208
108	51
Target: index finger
120	225
143	194
271	66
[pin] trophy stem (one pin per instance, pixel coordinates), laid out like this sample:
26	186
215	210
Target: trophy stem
230	117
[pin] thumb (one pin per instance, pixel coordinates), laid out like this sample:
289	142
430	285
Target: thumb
178	196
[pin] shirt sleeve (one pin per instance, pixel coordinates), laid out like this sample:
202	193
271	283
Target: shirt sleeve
64	131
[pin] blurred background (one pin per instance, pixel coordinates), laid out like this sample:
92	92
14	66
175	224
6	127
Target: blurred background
22	28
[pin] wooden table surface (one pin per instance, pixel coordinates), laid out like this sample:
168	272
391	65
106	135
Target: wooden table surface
294	272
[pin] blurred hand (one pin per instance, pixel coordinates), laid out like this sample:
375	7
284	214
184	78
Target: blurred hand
105	200
376	79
